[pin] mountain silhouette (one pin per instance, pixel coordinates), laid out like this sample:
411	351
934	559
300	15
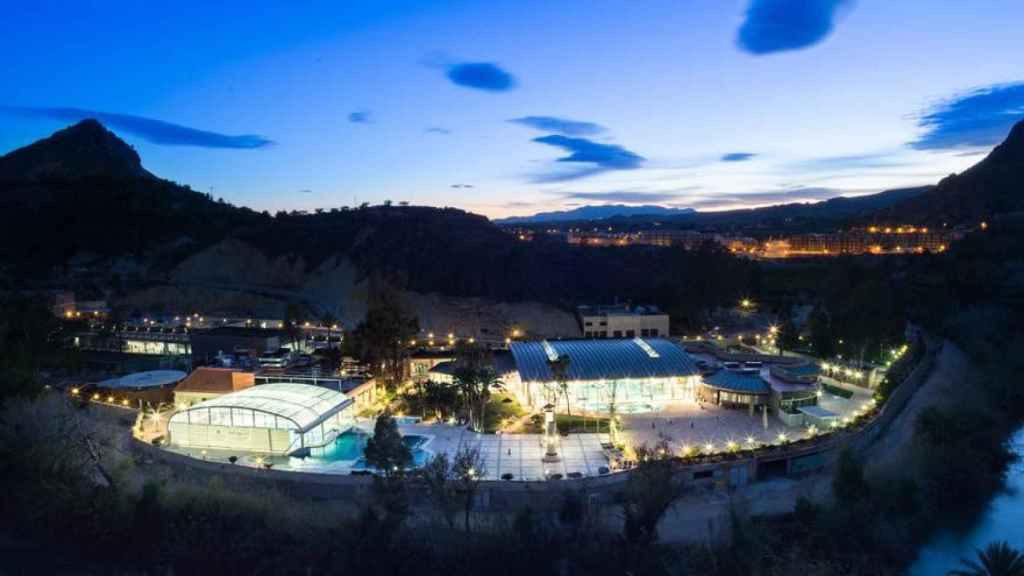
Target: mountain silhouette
86	149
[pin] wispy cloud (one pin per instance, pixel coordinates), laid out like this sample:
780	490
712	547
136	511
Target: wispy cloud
437	130
978	118
849	162
360	117
149	129
737	156
624	196
559	125
486	76
599	157
780	25
766	197
462	186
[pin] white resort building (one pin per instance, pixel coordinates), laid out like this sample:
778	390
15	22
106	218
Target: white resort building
272	418
638	375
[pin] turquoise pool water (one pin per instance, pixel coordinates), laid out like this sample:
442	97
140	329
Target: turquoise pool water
349	446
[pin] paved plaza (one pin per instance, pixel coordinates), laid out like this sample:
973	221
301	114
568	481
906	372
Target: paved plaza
693	424
681	424
517	454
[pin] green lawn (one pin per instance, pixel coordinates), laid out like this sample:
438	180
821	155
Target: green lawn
574	424
501	407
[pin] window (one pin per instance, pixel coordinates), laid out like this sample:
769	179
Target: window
588	334
654	332
220	416
589	323
617	334
630	333
702	474
604	322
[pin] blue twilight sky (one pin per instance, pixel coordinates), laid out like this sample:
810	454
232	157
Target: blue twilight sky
511	107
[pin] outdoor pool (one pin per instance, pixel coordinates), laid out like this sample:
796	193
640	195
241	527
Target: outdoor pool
349	446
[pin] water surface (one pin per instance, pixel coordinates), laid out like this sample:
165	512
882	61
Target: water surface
1003	520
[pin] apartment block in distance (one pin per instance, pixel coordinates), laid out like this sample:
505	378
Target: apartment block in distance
622	321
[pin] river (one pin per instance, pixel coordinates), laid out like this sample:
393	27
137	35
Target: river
1003	520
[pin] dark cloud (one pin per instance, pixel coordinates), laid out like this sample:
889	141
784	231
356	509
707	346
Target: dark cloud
155	131
560	125
462	186
437	130
600	157
979	118
625	196
485	76
737	156
780	25
360	117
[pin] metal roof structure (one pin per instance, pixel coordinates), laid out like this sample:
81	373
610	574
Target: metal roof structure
603	359
742	382
302	404
140	380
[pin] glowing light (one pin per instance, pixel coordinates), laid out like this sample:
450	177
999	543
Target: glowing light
750	440
709	447
782	437
731	446
74	390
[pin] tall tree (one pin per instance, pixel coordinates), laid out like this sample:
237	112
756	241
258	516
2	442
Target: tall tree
385	450
294	316
560	370
788	337
381	340
468	469
437	476
650	492
474	377
822	337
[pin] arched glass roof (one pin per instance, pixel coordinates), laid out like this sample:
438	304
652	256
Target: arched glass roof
303	404
603	359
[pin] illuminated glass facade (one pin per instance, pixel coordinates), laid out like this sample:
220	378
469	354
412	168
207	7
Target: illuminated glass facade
271	418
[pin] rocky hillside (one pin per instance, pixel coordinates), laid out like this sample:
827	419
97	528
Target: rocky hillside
100	218
993	186
84	150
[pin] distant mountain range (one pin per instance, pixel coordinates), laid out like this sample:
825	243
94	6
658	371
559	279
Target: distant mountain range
83	191
992	186
599	212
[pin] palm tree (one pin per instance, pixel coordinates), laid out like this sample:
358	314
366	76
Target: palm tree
475	376
560	370
997	559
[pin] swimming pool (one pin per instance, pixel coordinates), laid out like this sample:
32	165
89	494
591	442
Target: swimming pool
349	446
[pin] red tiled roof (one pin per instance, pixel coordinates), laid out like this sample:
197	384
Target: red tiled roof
220	380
